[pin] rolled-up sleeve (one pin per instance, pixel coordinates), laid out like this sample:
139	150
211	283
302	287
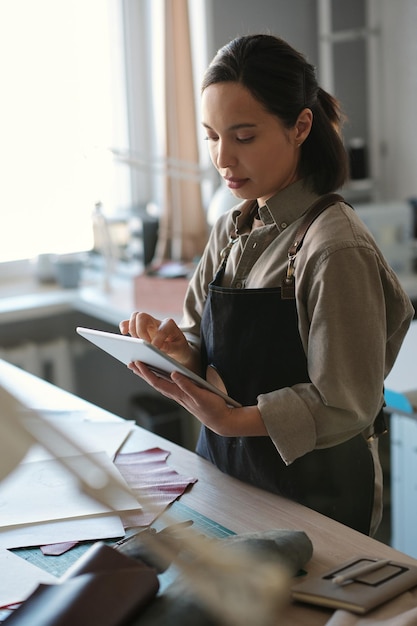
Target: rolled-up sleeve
352	318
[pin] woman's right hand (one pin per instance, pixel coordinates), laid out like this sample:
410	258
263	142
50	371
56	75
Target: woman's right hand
163	334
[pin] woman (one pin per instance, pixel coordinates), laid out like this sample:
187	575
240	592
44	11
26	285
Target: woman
292	309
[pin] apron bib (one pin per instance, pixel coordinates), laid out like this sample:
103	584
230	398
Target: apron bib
252	360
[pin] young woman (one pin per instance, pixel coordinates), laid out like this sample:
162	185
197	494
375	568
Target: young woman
292	309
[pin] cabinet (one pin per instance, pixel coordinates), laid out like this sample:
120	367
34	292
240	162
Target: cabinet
49	348
348	68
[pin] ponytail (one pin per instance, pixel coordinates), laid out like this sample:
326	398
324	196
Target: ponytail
324	158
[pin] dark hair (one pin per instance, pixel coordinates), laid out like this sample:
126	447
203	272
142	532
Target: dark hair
285	83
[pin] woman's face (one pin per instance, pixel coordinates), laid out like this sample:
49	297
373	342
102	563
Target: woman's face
251	149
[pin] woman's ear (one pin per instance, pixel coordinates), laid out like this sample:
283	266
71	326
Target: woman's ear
303	126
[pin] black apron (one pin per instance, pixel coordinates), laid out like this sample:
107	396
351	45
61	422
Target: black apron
251	360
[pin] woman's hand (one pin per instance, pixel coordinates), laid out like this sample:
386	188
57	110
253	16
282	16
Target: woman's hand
207	407
163	334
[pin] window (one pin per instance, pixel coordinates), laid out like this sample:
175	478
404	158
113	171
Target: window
62	107
83	120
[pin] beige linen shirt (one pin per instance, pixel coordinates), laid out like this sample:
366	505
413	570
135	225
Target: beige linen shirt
353	314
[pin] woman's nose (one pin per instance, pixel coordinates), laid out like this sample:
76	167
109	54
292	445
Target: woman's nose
225	155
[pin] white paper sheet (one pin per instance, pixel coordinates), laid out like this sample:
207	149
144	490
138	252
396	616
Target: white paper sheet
14	439
21	580
90	436
45	491
83	529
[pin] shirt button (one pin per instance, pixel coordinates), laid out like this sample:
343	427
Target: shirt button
239	284
284	224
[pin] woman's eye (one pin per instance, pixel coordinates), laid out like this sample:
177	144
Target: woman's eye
245	139
210	138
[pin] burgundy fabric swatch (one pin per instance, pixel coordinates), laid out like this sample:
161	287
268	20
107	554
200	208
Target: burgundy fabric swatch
56	549
152	481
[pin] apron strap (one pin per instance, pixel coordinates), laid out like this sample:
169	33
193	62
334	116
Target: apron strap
288	284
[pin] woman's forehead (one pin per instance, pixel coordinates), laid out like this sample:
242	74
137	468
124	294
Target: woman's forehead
232	103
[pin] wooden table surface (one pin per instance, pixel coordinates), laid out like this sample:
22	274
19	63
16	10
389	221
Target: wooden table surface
231	503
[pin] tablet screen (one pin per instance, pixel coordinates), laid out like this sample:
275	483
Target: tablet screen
127	349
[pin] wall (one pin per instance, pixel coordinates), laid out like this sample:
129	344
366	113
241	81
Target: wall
398	142
294	21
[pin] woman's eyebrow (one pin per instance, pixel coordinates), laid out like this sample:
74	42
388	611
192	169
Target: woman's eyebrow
234	126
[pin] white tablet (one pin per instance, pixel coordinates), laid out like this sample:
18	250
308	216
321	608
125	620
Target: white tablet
127	349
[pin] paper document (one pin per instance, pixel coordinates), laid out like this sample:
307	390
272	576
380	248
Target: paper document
45	490
21	580
81	529
91	436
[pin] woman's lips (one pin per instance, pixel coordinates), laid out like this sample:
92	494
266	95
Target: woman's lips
236	183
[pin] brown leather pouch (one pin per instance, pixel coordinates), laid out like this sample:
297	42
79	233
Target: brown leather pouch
104	587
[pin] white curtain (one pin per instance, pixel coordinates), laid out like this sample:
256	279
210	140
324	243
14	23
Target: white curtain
183	225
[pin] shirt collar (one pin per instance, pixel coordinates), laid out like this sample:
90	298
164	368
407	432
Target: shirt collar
284	208
288	205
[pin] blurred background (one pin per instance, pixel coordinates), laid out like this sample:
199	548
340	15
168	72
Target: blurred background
100	113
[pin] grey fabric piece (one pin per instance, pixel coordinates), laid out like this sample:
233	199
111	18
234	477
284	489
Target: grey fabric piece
290	548
177	605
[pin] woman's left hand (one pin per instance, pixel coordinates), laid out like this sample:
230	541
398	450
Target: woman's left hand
209	408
